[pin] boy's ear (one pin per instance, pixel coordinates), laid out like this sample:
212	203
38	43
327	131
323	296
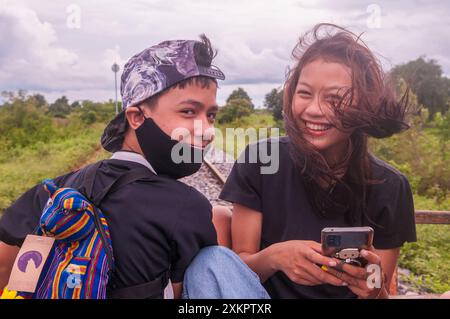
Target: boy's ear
134	117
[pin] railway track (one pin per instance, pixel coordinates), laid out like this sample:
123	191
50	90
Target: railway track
211	177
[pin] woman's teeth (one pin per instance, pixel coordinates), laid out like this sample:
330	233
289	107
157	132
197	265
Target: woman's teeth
317	127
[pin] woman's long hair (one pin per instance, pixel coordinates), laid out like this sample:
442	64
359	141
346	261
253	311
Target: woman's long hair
368	108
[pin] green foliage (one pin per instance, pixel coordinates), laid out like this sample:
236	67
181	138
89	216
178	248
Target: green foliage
60	108
258	119
427	82
240	94
22	123
29	166
274	102
234	109
90	112
422	154
428	259
36	143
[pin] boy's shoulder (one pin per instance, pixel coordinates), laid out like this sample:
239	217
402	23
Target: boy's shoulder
154	189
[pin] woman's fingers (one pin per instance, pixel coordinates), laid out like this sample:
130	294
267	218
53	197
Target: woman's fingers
337	274
317	258
357	286
360	272
343	277
322	275
371	257
315	246
303	278
362	293
354	271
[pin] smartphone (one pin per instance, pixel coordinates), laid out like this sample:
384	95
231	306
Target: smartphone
345	243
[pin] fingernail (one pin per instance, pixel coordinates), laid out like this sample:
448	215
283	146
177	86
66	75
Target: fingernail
332	264
344	284
324	268
364	253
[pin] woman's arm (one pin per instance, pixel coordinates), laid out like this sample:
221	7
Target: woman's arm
7	257
298	259
246	238
389	259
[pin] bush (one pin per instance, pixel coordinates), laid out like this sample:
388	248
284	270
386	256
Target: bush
233	110
35	144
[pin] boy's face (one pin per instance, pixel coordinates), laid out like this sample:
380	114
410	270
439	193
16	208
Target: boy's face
186	114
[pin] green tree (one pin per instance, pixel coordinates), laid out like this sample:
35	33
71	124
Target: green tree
274	103
60	108
240	94
37	100
234	109
75	105
427	82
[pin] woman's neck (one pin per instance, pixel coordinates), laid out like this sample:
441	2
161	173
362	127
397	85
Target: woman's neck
337	154
336	159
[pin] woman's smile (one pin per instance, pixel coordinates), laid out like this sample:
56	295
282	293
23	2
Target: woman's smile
317	129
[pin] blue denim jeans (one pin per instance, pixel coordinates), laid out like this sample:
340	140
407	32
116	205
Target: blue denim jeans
218	273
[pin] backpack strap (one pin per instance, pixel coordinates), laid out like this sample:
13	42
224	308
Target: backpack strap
150	290
96	199
124	179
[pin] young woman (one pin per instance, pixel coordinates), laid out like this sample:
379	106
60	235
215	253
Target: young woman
335	98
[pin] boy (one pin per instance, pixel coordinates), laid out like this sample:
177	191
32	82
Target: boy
157	224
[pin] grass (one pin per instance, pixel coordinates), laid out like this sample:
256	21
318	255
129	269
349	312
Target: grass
429	258
234	142
29	166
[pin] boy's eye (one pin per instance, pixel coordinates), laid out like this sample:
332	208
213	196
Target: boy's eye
188	112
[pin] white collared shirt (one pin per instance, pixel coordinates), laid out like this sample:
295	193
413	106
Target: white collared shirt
132	157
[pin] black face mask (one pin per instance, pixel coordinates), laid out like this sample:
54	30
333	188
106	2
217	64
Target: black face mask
158	147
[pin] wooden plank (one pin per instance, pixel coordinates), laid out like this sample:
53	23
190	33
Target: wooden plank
432	217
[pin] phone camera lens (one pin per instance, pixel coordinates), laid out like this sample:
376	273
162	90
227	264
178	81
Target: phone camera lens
334	241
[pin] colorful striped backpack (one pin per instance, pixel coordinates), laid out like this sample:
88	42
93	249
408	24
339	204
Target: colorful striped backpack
81	261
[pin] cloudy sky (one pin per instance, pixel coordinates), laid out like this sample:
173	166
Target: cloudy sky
67	47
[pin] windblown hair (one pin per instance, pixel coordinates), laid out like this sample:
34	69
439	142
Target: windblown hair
368	108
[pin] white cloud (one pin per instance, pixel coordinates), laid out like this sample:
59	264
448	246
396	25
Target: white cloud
254	37
244	65
29	50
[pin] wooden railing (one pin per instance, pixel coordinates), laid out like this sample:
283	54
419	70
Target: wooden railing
435	217
432	217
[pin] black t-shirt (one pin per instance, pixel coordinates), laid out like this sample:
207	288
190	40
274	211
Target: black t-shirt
288	213
155	223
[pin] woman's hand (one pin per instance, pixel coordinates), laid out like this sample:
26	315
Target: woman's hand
357	277
301	261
